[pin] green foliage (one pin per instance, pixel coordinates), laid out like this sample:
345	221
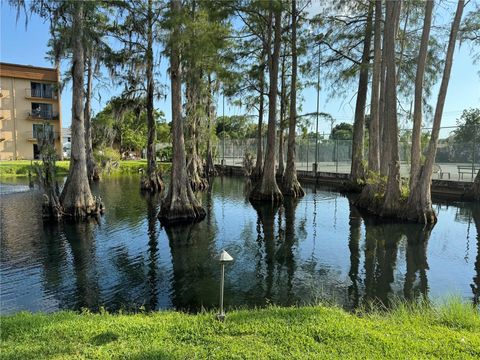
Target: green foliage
410	331
378	182
235	127
106	154
342	131
165	153
468	126
124	123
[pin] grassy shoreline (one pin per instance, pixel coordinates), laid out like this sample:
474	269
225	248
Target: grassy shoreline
449	331
20	168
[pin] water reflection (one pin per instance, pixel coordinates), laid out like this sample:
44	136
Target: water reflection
317	247
354	247
416	282
153	269
476	278
81	241
193	264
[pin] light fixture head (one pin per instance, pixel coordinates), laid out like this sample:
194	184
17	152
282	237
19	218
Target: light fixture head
224	257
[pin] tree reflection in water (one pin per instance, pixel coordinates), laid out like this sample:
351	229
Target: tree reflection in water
355	222
195	271
382	240
152	275
266	220
81	239
417	241
476	278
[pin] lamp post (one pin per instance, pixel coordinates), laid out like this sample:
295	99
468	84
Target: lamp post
223	117
224	258
315	166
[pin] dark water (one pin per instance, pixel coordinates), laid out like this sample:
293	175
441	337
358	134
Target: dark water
317	248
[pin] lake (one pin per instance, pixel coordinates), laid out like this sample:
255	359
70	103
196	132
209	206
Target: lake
320	248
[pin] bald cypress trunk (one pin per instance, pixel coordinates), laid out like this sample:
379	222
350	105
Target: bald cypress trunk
180	204
281	137
93	172
390	206
194	163
374	133
383	126
291	186
76	198
267	189
419	205
476	187
210	111
357	171
367	197
257	172
152	181
417	110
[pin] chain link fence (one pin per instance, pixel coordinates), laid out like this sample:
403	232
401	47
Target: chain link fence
457	158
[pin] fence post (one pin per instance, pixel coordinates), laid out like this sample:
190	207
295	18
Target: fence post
474	149
336	156
308	150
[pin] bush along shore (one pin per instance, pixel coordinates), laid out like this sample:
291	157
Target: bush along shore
21	168
449	331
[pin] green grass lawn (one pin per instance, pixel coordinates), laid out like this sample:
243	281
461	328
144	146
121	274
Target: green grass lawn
18	168
448	332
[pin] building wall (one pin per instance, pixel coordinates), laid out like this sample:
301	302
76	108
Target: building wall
16	127
7	127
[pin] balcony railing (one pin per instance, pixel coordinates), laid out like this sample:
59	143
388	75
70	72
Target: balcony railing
40	94
42	135
42	115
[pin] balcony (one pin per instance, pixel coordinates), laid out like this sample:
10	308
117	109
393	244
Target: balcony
40	94
34	136
42	115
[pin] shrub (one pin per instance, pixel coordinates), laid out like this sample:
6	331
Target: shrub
106	154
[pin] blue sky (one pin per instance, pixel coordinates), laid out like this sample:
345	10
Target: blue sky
29	46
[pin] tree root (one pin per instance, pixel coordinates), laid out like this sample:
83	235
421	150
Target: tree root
427	217
370	199
85	211
416	210
274	196
199	184
177	215
256	173
293	190
93	171
153	183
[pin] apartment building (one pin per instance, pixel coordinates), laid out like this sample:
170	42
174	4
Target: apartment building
29	110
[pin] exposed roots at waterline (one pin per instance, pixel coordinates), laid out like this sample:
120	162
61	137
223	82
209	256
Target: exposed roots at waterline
293	190
153	183
180	209
199	184
273	196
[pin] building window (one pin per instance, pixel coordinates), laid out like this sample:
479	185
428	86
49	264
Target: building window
41	90
42	111
43	131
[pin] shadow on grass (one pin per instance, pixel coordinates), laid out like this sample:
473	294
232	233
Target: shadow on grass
104	338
